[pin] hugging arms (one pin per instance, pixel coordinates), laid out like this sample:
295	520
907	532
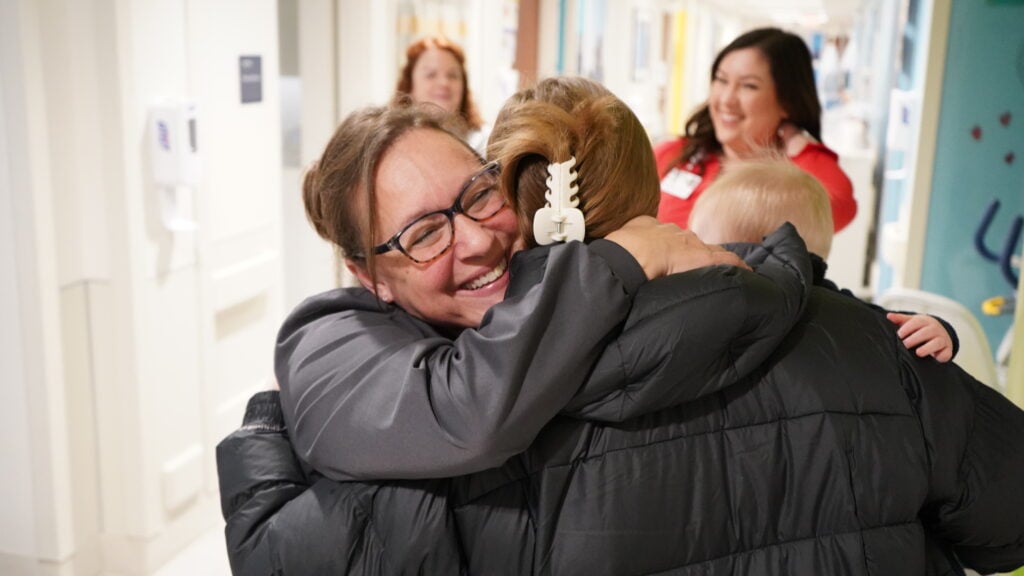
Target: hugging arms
665	379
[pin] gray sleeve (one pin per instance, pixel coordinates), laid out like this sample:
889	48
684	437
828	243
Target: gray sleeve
377	395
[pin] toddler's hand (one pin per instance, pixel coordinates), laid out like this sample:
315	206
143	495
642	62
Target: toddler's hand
925	333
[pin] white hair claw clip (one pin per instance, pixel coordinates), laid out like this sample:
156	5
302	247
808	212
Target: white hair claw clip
560	220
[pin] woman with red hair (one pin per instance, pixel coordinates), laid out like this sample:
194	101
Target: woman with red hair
435	72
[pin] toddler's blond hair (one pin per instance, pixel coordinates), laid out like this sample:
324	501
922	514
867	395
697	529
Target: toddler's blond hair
751	198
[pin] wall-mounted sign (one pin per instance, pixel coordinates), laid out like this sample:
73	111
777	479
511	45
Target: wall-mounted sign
250	78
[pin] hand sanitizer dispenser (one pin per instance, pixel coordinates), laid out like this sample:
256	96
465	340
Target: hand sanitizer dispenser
174	159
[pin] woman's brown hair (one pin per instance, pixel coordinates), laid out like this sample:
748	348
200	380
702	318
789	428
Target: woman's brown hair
467	109
566	117
339	189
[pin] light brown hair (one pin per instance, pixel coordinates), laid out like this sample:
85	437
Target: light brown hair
568	117
753	197
339	190
467	109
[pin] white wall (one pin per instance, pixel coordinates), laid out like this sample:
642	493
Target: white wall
308	260
366	53
16	521
35	453
17	524
488	67
128	350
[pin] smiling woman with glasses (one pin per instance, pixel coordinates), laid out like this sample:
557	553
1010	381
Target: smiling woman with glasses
428	236
385	381
684	403
460	346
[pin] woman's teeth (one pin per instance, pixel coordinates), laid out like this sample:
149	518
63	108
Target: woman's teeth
486	279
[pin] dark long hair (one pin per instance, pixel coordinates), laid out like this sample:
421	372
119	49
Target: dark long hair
789	60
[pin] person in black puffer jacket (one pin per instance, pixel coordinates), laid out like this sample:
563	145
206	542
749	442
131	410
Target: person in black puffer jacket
842	454
372	390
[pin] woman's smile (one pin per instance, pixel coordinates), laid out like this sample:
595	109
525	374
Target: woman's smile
745	110
424	171
488	278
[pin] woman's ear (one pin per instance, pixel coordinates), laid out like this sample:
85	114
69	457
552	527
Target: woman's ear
363	275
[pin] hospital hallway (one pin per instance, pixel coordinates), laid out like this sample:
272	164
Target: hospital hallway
153	236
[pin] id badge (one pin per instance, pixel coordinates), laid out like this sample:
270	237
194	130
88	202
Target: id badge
680	183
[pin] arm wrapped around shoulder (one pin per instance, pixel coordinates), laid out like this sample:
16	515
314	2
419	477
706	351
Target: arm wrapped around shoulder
975	438
695	333
373	393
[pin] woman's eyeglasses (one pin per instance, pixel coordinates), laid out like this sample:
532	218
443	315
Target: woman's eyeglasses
430	235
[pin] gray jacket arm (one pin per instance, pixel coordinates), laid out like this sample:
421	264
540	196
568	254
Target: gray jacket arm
372	394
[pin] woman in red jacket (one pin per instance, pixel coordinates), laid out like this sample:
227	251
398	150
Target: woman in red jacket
762	96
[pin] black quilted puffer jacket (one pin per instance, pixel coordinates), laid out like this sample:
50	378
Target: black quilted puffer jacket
842	454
